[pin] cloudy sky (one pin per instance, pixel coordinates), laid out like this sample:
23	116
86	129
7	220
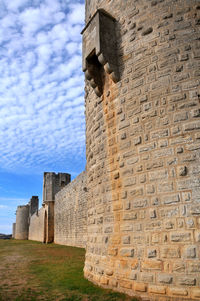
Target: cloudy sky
42	126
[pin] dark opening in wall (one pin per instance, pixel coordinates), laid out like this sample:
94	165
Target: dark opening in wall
95	73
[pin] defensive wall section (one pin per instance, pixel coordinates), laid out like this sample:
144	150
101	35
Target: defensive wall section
70	213
137	206
63	216
37	226
141	61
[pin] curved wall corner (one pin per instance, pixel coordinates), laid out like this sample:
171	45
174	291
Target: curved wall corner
22	222
143	153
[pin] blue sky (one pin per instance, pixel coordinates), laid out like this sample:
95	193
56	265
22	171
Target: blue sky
42	124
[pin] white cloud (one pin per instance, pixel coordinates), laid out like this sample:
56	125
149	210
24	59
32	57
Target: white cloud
16	4
3	207
42	85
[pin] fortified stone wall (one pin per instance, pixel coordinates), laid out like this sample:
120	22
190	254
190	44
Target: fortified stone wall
143	147
52	184
37	226
70	214
22	217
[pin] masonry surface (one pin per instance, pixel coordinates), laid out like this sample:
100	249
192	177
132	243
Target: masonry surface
138	203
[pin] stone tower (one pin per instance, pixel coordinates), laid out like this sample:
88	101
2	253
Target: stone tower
141	61
33	205
52	183
22	225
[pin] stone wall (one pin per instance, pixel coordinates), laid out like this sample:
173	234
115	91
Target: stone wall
37	226
70	212
143	149
21	227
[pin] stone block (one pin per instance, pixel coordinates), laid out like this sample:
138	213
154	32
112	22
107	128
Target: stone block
179	267
147	277
117	206
186	280
130	216
164	278
190	252
197	235
148	264
104	280
194	267
180	117
165	187
125	252
171	199
157	289
132	160
182	171
159	134
158	175
151	253
141	203
152	213
163	153
140	287
191	126
112	251
126	240
129	181
181	237
176	291
147	147
195	293
126	227
125	284
133	275
137	140
170	252
113	282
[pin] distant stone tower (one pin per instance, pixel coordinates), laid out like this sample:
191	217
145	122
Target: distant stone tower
22	225
52	183
141	61
13	230
33	205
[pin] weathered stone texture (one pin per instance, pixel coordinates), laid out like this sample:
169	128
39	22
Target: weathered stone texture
143	152
52	184
22	225
70	213
37	226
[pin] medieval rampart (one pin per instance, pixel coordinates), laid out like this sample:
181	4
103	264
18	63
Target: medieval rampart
141	194
70	214
63	216
143	146
37	226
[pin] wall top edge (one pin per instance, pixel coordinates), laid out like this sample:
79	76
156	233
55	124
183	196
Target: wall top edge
98	11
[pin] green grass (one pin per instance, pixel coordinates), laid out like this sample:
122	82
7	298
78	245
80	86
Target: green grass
34	271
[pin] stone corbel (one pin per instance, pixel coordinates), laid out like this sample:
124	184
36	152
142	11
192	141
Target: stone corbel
100	50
